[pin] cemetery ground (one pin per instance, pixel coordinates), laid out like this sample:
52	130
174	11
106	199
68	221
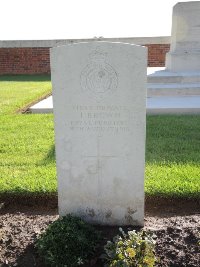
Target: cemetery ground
28	179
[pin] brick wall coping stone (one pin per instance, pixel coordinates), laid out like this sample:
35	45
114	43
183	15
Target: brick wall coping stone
52	43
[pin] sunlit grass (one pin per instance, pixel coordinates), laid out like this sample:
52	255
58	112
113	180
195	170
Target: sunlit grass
173	156
17	91
27	158
27	152
27	163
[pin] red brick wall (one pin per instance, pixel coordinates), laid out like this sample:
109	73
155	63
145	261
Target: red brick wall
156	54
35	60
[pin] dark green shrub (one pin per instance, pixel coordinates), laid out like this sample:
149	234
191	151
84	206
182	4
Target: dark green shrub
67	242
130	250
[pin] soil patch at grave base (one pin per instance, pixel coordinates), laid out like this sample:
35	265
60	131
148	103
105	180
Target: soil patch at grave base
175	222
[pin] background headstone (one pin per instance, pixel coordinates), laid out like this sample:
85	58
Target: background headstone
99	97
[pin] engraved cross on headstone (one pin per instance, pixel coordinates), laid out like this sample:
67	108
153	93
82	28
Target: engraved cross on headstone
99	158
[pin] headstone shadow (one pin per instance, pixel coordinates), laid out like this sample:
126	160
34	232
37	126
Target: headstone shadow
50	156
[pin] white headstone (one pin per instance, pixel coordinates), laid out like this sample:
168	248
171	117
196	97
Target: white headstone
99	98
184	52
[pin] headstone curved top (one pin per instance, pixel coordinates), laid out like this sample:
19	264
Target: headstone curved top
99	98
184	52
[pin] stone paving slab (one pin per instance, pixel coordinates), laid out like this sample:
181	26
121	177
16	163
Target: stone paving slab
155	105
173	105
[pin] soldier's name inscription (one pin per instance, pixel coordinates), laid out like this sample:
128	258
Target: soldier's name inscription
101	118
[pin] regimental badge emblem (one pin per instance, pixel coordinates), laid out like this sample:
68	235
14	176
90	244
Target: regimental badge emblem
98	79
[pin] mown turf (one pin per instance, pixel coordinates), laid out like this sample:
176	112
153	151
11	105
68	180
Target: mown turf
27	152
27	155
27	163
17	91
173	156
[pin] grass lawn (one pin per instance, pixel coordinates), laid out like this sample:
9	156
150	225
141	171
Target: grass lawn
27	161
17	91
27	154
173	156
